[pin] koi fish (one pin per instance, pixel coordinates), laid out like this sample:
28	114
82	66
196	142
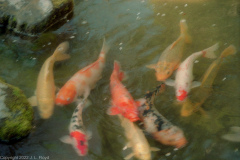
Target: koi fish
137	140
172	55
183	81
200	94
157	125
234	135
83	81
78	137
122	101
45	92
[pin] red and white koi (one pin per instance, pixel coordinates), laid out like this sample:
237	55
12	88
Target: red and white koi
83	81
197	96
122	101
78	137
184	77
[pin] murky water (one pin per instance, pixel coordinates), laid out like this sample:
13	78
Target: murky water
138	30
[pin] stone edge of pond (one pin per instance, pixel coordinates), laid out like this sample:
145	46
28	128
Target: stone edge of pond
61	10
19	123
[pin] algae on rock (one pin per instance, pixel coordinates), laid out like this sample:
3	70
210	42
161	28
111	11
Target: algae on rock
16	114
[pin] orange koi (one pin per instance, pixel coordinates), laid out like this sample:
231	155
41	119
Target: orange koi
83	81
122	101
172	55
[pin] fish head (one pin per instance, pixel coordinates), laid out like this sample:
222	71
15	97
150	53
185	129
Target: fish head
163	72
63	47
66	96
141	152
80	143
181	94
172	136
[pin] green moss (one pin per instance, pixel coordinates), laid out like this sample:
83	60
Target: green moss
66	8
14	19
20	123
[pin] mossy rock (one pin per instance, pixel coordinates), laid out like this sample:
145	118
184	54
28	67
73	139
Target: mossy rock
16	114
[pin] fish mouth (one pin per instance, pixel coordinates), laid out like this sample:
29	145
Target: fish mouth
182	96
181	143
161	78
60	103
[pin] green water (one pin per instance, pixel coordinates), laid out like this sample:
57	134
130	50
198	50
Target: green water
138	31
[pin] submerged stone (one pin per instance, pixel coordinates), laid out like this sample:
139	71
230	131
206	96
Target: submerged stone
30	17
16	114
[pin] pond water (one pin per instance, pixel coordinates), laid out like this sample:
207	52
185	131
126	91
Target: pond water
138	30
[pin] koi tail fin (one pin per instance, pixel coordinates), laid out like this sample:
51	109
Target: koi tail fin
105	48
120	74
209	52
228	51
184	31
60	52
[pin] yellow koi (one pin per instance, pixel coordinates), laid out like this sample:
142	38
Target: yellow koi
137	140
45	92
172	55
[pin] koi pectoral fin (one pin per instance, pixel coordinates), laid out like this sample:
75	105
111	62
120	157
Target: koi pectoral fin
154	149
128	145
129	156
235	129
66	139
232	137
151	66
33	101
86	92
170	82
195	84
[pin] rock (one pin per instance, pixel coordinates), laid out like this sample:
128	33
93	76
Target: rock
16	114
30	17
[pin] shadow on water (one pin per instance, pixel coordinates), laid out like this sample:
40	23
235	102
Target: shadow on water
138	32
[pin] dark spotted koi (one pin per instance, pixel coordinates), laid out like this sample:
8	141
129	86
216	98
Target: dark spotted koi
157	125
